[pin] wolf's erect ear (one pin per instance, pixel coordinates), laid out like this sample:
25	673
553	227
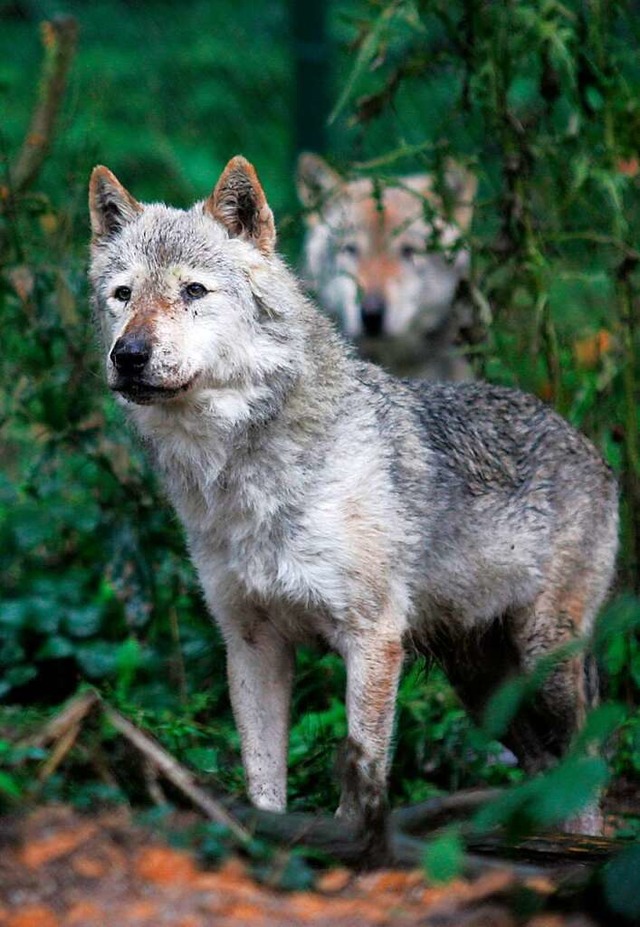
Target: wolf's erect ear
463	185
110	206
315	180
238	202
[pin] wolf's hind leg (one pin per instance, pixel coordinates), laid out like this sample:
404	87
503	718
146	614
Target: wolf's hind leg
559	708
478	663
561	704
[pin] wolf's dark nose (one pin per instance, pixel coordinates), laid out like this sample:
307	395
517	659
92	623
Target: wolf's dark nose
130	354
372	309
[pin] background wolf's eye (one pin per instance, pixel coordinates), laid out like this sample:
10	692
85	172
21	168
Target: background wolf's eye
350	249
408	252
195	290
123	293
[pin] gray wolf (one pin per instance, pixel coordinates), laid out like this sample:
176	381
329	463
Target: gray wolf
389	264
324	500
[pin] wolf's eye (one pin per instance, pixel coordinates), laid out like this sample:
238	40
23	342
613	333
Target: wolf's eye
350	249
195	290
122	293
408	252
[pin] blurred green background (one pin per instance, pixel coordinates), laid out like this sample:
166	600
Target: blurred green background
542	100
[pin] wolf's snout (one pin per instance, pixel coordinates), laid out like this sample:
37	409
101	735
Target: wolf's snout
131	354
372	310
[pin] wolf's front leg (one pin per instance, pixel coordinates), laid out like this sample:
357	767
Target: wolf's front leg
260	670
373	670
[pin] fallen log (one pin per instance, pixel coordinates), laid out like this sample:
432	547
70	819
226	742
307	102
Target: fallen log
409	828
435	811
548	848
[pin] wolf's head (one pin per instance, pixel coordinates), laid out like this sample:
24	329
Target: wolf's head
385	261
188	300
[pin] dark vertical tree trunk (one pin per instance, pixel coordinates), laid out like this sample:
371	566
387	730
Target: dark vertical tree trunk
311	57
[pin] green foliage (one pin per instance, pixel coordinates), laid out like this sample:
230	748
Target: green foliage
435	737
620	881
444	856
546	801
515	693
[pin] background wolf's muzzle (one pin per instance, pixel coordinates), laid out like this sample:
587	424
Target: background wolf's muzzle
372	310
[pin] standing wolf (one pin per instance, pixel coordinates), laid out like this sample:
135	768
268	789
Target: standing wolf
389	264
323	499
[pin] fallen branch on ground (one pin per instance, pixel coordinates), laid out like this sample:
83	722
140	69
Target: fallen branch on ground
433	811
562	855
177	774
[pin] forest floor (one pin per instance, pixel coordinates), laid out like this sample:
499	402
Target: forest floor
61	868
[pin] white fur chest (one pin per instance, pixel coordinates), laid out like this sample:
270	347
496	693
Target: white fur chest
265	545
312	533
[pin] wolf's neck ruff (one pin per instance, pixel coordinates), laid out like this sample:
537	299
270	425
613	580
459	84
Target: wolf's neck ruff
323	498
214	441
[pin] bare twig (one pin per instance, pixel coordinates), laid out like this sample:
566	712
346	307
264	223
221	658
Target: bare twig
71	716
59	41
178	775
62	747
152	783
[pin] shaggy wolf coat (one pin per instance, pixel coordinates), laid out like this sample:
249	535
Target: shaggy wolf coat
323	499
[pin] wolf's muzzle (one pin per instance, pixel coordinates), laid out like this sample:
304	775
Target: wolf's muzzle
372	310
130	355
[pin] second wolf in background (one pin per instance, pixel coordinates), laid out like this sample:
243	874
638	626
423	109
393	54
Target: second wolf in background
389	263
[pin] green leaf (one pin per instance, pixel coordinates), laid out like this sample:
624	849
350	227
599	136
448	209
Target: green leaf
623	615
55	648
548	799
128	659
13	613
83	622
568	789
503	706
97	659
594	98
620	879
444	857
20	675
600	724
204	759
366	54
523	92
9	785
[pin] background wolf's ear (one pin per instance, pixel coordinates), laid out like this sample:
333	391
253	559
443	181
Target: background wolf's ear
238	202
315	180
463	186
110	206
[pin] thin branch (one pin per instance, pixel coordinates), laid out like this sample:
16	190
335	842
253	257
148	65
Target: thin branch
71	716
59	41
62	747
178	775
